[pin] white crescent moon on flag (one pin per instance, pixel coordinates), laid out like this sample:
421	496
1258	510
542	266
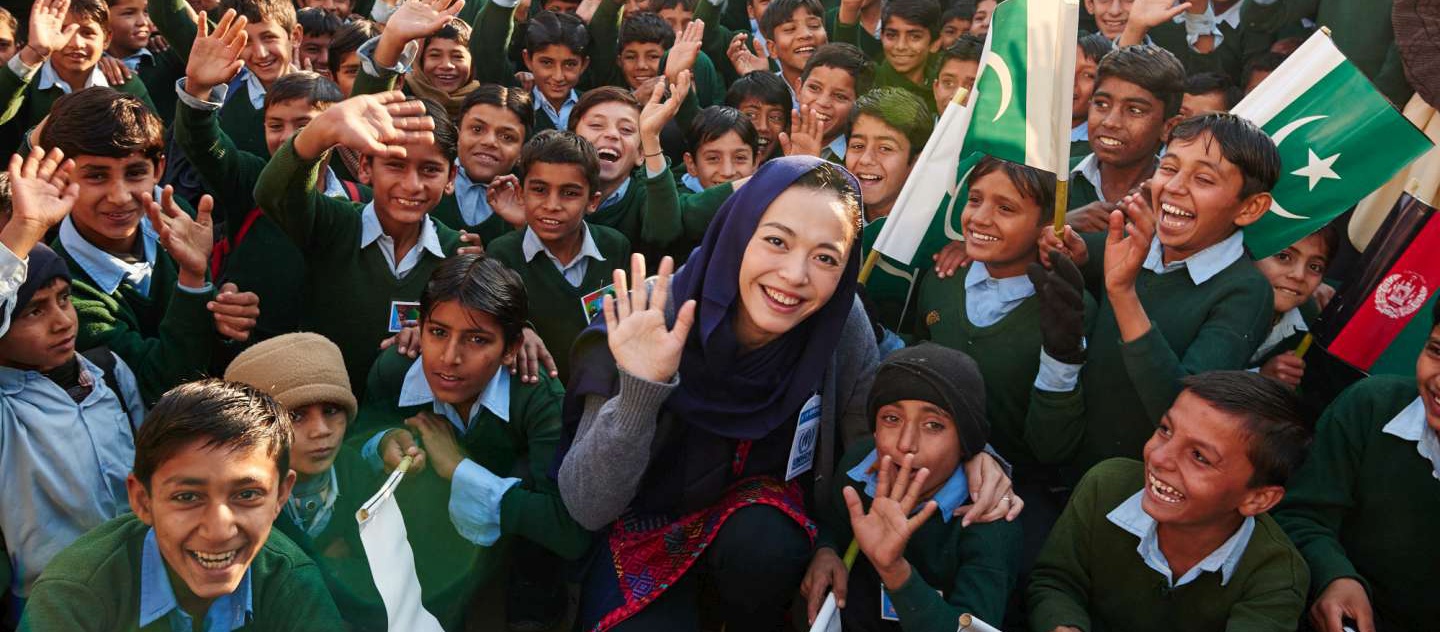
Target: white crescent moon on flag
950	208
1279	137
1002	71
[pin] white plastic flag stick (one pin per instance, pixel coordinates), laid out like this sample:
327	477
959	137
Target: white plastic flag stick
392	563
972	623
828	620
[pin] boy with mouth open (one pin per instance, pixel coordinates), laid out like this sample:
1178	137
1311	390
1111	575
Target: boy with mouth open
1182	541
765	99
909	36
835	76
212	472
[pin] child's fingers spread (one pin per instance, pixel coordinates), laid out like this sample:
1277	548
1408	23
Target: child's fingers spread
927	510
852	503
912	491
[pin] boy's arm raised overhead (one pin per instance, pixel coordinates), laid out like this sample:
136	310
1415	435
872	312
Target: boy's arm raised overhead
48	34
661	223
41	195
385	58
1201	34
489	40
175	20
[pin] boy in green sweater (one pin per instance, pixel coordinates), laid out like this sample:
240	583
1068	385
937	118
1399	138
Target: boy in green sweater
130	31
723	146
212	472
1180	296
1294	274
365	264
1365	507
562	259
765	99
909	35
470	426
836	75
1182	542
556	54
922	569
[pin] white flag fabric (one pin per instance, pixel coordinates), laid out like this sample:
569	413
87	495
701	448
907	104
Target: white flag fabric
828	620
932	185
392	564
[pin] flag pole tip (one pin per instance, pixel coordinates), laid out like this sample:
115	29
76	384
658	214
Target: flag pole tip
1325	30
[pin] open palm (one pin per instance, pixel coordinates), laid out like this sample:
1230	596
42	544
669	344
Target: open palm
1132	227
883	532
381	124
417	18
643	345
41	192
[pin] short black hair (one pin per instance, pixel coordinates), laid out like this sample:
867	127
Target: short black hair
281	12
645	28
847	57
483	284
1149	66
766	87
316	21
687	5
548	28
599	96
1267	61
1243	144
719	120
900	109
446	133
93	10
1207	82
455	30
780	11
303	84
1035	184
924	13
1276	426
967	47
348	40
220	414
513	100
562	148
959	10
100	121
1095	46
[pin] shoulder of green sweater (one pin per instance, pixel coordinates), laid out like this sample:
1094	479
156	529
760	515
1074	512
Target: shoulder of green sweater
525	396
114	544
508	248
1372	402
1274	555
1111	481
612	243
279	557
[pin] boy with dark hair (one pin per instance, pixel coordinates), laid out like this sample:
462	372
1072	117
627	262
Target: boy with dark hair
494	123
765	99
212	471
835	76
61	55
1294	274
1179	295
342	60
723	146
1208	92
647	52
793	31
9	35
317	29
909	34
955	21
558	186
980	19
677	13
1091	49
130	31
1208	555
365	265
253	252
1363	509
556	53
138	260
959	65
888	128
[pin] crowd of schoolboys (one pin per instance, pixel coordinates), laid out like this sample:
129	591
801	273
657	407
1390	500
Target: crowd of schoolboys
381	239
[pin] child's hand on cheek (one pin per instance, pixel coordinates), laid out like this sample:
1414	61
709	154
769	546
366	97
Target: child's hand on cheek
438	436
188	241
398	444
883	532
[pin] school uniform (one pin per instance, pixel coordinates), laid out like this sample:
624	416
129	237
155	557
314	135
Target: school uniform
697	208
716	41
161	329
1103	568
1079	143
867	42
1360	28
1285	335
114	578
490	64
1085	181
469	210
556	290
954	569
645	209
31	91
887	77
1207	312
356	288
468	520
1366	503
158	71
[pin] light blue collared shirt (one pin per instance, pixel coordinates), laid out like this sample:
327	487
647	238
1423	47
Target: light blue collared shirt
561	117
157	597
415	390
1080	132
1202	265
255	90
613	198
762	48
1131	517
133	61
333	188
574	272
691	182
1410	425
952	494
372	233
50	79
988	300
838	146
107	270
470	197
1289	323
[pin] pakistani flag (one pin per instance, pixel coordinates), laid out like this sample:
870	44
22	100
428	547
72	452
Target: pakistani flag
1339	139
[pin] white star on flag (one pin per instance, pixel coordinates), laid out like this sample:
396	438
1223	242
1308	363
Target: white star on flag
1317	169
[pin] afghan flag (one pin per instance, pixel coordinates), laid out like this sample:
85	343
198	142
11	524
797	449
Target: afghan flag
1339	139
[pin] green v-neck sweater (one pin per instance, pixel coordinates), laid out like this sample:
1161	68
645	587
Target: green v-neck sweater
648	214
555	308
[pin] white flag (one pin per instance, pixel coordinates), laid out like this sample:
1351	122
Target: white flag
828	619
392	564
931	187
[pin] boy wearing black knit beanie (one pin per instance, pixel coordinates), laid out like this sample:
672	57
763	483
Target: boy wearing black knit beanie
928	406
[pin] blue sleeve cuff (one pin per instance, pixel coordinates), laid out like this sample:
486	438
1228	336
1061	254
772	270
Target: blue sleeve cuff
215	102
366	53
371	451
1198	25
1056	376
204	289
475	496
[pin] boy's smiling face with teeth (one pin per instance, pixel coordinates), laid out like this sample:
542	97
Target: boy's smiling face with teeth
1127	122
489	142
1296	271
879	156
1198	468
408	188
267	52
831	91
1001	224
1427	376
796	39
446	63
557	199
613	128
1196	194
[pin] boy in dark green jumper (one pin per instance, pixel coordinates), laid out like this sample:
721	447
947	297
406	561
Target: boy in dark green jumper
212	471
724	146
642	49
859	22
928	410
765	99
1365	508
556	53
834	78
130	31
61	56
956	67
1091	49
365	265
909	35
1208	556
1294	274
254	253
559	185
1180	294
475	425
273	33
140	283
1135	103
642	204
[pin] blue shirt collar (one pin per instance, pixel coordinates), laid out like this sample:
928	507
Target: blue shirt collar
1131	517
838	146
157	598
51	79
691	182
371	232
333	187
1410	425
1290	322
470	197
1202	265
1012	289
107	270
415	390
133	61
531	246
560	118
1080	132
615	197
950	496
256	90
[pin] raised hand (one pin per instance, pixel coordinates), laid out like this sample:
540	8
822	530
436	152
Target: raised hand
41	194
522	12
188	241
587	10
742	58
1062	307
418	18
379	125
883	532
438	437
473	245
235	312
115	71
531	355
686	49
806	132
639	338
1092	217
1069	244
1152	13
48	33
215	55
1131	228
504	198
658	112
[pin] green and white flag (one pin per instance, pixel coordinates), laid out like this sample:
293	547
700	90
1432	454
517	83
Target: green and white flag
1339	139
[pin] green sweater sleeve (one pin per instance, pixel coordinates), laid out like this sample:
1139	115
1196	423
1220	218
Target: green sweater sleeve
489	43
180	353
54	606
174	19
716	40
1055	424
1060	580
366	83
605	44
534	508
287	192
696	210
228	173
981	586
14	88
660	223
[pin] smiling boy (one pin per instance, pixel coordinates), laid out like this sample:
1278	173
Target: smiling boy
1089	51
556	54
1208	555
890	128
212	471
130	31
794	31
1294	273
909	34
765	99
834	77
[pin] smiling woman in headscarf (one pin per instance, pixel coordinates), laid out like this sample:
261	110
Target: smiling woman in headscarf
699	420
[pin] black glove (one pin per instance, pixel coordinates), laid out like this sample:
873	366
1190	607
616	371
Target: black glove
1062	307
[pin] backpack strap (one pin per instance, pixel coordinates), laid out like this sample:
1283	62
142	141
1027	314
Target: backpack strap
103	358
352	190
226	246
